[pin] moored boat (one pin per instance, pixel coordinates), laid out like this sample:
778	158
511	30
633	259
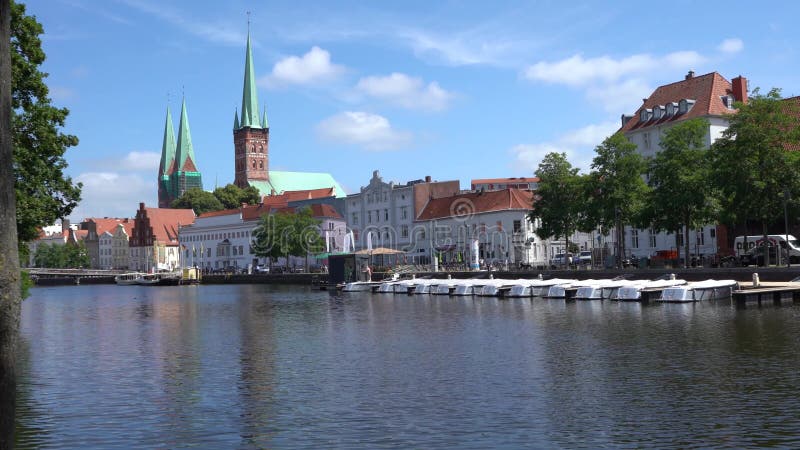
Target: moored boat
127	279
698	291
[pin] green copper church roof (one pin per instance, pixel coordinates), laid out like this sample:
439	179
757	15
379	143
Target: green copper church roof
236	120
167	147
249	93
264	123
280	181
184	149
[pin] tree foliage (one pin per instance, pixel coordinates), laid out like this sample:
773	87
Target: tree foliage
682	194
62	256
43	192
615	188
287	234
199	200
752	168
559	205
232	196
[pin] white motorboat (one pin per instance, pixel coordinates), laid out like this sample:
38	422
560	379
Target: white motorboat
534	287
560	290
596	289
404	286
423	286
360	286
633	292
127	279
443	287
700	290
493	287
471	286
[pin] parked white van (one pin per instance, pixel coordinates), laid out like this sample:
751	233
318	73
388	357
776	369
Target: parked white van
793	245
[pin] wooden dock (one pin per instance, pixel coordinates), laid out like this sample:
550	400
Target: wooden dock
766	292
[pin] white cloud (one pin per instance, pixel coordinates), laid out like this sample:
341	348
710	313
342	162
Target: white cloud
112	194
731	45
578	144
624	96
218	32
407	92
144	161
371	131
578	71
315	66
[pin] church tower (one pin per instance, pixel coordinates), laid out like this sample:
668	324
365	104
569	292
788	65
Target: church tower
165	167
184	175
250	134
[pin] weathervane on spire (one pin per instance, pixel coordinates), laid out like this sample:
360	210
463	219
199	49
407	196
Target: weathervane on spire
248	22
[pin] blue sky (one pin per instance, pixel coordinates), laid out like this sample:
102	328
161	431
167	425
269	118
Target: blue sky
451	89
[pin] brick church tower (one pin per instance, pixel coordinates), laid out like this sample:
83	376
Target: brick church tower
250	134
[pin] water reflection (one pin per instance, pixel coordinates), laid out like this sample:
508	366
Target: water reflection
260	366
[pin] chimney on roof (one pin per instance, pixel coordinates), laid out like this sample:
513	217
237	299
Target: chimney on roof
690	75
739	88
427	178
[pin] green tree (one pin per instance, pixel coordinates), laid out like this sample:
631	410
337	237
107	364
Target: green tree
559	206
43	192
615	188
10	296
752	168
62	256
232	196
199	200
682	195
287	234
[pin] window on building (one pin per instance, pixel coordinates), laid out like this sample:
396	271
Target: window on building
404	212
369	216
404	231
679	239
701	237
652	238
517	226
355	218
712	233
386	214
634	238
646	139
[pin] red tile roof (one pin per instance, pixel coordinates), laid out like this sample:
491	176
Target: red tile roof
282	200
165	223
222	212
108	223
707	91
476	203
323	210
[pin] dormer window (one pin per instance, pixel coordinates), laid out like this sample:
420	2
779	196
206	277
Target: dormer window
685	105
727	100
658	112
671	109
645	115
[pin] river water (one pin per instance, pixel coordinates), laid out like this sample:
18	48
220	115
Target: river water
257	366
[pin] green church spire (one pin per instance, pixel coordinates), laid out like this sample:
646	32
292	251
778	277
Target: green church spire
249	94
184	149
236	120
264	123
167	147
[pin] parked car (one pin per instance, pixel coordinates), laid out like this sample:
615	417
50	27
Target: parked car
585	257
756	255
561	259
261	269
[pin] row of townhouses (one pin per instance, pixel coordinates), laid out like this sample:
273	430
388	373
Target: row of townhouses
430	221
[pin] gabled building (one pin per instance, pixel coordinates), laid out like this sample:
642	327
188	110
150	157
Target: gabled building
251	147
708	96
120	245
154	238
382	213
177	170
58	234
99	235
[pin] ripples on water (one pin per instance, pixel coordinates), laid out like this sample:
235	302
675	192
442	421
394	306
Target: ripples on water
256	366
